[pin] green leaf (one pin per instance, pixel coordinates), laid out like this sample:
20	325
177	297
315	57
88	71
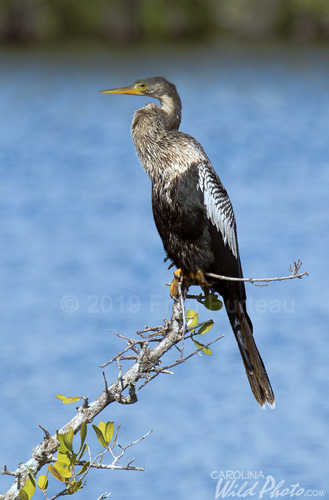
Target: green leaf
31	476
68	439
68	400
64	457
100	436
206	327
213	303
82	452
203	348
73	459
101	427
62	447
43	482
74	487
192	318
83	434
83	468
109	431
63	468
60	470
55	473
23	494
28	491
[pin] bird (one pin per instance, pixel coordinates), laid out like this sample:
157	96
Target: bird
193	214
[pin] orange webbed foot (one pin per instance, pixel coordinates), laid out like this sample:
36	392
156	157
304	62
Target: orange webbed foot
174	284
197	278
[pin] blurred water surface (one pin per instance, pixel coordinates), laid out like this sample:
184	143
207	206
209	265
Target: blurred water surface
80	256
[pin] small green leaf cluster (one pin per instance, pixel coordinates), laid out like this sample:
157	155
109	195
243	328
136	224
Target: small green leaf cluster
192	318
64	469
104	432
68	467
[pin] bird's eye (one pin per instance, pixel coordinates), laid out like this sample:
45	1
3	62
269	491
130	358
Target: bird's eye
142	86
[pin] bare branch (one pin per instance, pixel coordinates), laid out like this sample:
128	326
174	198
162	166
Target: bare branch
265	281
104	496
47	434
6	472
117	467
108	466
156	329
137	441
130	345
178	362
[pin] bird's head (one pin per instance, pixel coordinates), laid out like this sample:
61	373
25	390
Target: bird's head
157	87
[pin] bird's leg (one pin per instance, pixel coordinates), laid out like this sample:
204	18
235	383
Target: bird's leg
197	277
178	274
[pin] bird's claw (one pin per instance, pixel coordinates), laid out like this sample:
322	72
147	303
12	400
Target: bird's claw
196	278
178	274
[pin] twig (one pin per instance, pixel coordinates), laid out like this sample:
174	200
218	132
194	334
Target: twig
59	494
47	434
106	466
104	496
293	270
6	472
124	448
151	329
119	355
164	369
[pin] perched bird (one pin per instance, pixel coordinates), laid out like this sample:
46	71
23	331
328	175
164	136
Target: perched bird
193	214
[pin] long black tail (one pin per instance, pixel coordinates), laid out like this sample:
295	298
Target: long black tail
253	363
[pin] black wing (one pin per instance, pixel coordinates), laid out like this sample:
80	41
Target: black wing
222	227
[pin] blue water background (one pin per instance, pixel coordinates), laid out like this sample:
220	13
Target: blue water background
80	256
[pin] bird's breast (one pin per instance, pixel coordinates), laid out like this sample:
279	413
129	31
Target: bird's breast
180	218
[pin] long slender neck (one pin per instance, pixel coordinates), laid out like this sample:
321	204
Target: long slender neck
163	153
172	108
149	128
153	129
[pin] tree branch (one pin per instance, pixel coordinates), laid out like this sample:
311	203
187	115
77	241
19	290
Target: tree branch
145	361
294	274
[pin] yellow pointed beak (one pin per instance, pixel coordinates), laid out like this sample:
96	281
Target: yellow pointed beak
132	90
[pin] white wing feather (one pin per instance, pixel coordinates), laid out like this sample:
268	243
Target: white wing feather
219	207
